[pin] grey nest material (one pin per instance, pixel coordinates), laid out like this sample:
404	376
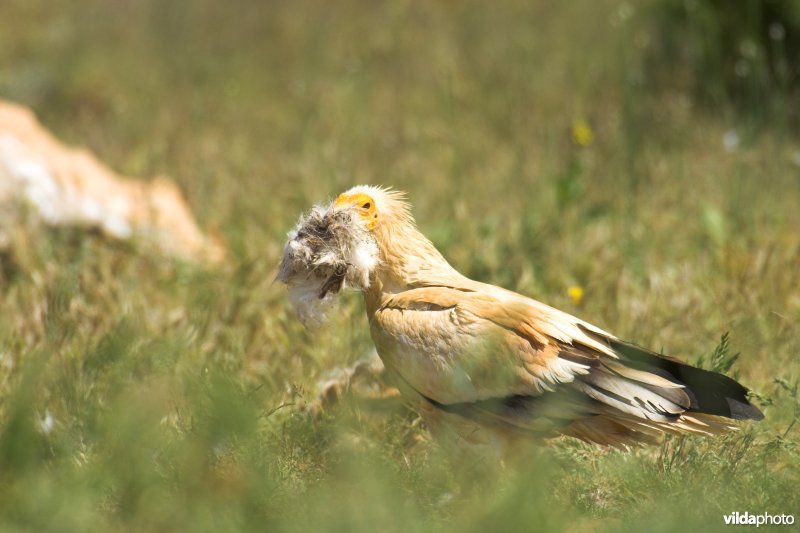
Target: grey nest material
328	249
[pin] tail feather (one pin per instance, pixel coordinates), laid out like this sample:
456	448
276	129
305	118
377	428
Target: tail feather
709	392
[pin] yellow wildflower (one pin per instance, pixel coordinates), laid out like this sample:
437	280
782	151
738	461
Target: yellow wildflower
582	134
575	294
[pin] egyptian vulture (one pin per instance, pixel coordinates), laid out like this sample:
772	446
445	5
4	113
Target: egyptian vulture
485	365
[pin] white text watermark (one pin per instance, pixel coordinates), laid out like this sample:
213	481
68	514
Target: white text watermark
763	519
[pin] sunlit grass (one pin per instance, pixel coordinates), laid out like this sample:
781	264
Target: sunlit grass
141	394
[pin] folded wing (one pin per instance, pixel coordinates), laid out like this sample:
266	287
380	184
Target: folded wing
501	359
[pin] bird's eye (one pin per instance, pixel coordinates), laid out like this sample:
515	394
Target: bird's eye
366	205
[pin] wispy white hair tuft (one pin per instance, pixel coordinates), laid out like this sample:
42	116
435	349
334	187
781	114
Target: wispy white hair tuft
328	249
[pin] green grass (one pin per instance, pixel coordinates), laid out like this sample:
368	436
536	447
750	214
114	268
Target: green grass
178	397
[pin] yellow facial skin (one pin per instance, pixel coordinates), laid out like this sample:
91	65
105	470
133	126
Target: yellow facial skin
363	204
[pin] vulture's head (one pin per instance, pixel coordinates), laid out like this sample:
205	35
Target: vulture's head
375	208
337	245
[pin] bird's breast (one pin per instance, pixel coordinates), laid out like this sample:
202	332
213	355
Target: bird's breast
424	348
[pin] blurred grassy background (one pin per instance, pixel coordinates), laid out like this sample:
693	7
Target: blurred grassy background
605	145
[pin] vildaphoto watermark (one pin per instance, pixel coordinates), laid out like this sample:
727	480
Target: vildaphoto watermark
763	519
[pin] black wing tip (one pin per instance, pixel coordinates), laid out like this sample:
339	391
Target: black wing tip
710	392
744	411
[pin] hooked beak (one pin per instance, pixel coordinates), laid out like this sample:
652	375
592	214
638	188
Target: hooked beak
342	201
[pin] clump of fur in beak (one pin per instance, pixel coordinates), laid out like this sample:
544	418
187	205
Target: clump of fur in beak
327	249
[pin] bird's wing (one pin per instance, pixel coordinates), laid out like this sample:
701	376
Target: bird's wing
459	345
494	355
